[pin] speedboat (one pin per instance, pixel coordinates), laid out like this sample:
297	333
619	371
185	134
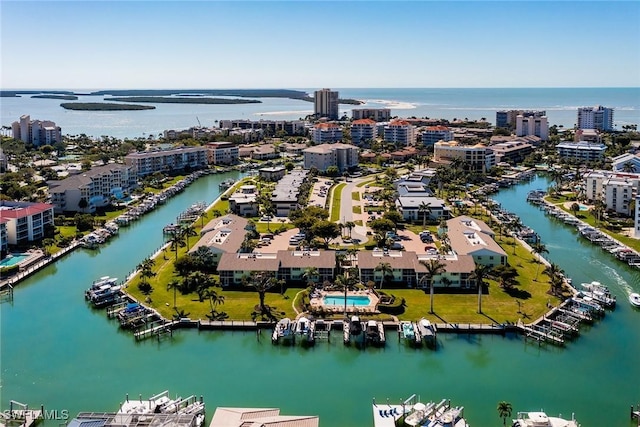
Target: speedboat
634	299
409	332
427	330
540	419
283	331
99	283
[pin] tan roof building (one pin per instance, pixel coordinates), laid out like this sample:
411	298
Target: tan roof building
469	236
222	235
260	417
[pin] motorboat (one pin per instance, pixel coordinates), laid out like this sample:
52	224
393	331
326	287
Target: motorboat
540	419
105	295
284	331
427	330
599	293
305	328
166	408
374	333
634	299
99	283
409	332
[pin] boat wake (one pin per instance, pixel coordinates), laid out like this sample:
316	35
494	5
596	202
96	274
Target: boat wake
616	279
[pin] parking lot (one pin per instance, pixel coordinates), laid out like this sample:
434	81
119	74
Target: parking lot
319	193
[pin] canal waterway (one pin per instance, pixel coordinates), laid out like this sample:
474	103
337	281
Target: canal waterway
57	351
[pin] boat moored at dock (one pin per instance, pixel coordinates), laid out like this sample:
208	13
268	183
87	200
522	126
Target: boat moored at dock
283	332
305	328
412	412
540	419
599	293
374	333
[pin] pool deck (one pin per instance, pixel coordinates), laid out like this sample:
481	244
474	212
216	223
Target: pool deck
317	301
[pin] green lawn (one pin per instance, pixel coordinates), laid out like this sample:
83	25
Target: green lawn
261	227
336	197
357	209
363	183
355	196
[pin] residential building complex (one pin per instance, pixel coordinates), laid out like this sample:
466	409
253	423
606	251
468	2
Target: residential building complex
626	163
470	236
585	151
222	235
532	125
363	130
222	153
274	173
615	189
270	127
36	132
477	157
23	222
375	114
598	117
511	152
244	201
507	118
326	104
326	132
176	159
433	134
400	131
92	189
285	196
343	156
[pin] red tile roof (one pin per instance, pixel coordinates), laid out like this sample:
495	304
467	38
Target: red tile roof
364	122
8	211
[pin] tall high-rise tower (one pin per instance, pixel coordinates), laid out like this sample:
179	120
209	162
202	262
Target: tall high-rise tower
326	104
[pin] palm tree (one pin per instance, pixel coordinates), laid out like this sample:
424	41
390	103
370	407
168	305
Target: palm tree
146	269
504	411
385	269
556	276
214	299
176	241
538	249
424	209
188	231
174	284
350	225
479	273
343	282
262	281
310	273
433	266
180	314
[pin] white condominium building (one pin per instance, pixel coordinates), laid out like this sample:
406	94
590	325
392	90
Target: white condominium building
222	153
97	187
36	132
23	222
532	125
585	151
326	132
363	130
400	131
433	134
343	156
616	190
477	157
148	162
598	117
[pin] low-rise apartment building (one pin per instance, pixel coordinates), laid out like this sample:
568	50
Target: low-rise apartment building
176	159
23	222
244	202
274	173
222	153
92	189
470	236
584	151
477	157
343	156
511	152
285	196
375	114
433	134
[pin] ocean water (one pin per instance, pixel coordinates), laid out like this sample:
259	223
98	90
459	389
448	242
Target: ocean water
560	104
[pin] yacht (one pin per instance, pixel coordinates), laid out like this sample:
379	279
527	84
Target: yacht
99	283
427	331
634	299
352	328
540	419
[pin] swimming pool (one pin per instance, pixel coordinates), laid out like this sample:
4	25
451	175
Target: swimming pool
13	259
584	207
352	300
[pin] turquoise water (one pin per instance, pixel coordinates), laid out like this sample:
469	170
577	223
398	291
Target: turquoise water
59	352
352	300
560	104
13	259
584	207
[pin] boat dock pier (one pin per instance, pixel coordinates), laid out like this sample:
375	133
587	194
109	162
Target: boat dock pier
157	328
22	417
635	413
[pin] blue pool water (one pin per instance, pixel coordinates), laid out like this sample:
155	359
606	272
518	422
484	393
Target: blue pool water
356	300
584	208
13	259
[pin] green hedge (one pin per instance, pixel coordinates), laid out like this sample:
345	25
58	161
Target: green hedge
396	306
9	270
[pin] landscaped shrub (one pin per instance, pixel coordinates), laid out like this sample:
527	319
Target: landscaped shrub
391	305
9	270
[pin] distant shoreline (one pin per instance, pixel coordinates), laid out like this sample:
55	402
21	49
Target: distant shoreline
192	100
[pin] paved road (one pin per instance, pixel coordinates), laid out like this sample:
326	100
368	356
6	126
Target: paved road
346	208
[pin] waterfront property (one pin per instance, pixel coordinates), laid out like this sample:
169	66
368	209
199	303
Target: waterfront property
36	132
470	236
323	156
176	159
241	417
23	222
222	153
351	302
222	235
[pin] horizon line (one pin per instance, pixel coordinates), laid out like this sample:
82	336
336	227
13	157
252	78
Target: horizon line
306	88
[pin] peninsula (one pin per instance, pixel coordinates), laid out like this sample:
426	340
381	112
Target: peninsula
50	96
177	100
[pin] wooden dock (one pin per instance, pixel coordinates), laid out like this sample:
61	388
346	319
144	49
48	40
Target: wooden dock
473	328
157	329
25	416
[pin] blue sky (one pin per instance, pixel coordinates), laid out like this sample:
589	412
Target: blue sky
302	44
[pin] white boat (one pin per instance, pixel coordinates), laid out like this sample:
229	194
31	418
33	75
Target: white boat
163	404
283	331
427	331
634	299
599	293
540	419
374	333
408	330
99	283
305	328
